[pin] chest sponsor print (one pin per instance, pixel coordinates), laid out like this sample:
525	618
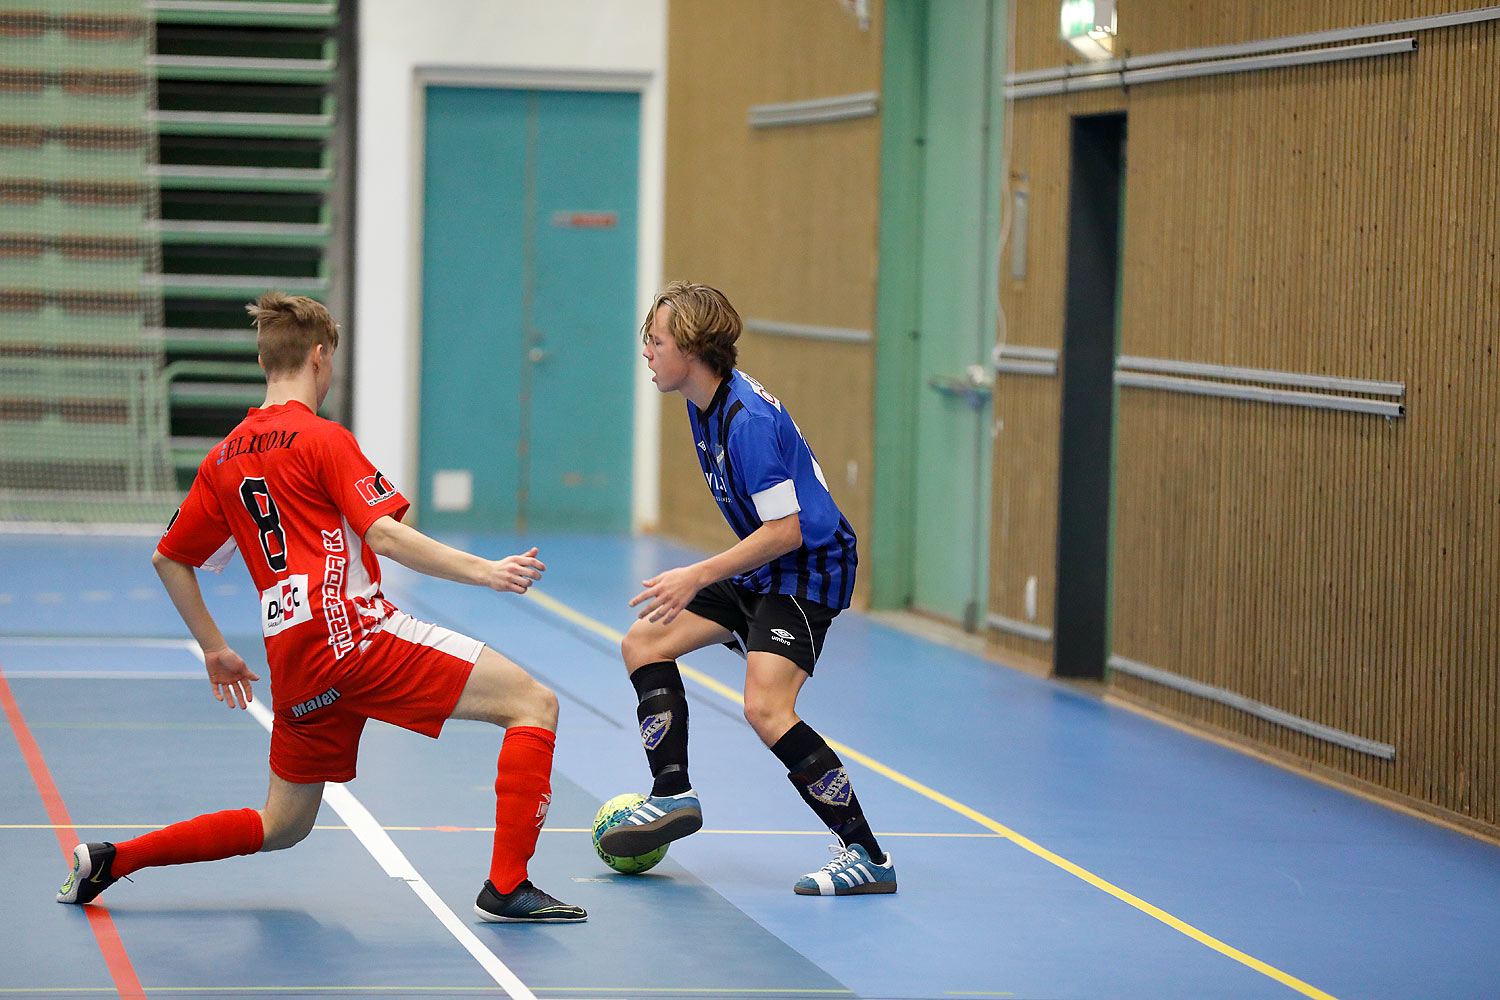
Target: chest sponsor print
284	605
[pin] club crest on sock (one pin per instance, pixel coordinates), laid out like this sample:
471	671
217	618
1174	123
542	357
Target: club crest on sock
833	788
654	727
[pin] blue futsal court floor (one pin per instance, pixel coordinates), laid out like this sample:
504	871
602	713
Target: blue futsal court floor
1049	845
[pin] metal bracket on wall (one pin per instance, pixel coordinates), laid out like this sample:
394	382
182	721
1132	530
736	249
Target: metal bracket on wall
1252	707
1019	359
865	104
1183	71
1235	382
1114	71
807	331
1328	392
1027	630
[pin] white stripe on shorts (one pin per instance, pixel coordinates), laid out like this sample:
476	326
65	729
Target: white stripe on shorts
444	640
807	625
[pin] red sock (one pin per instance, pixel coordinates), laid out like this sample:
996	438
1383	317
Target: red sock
523	790
203	838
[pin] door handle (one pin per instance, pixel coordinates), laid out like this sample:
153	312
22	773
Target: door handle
975	387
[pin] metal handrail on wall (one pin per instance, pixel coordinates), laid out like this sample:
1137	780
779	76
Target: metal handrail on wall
1234	58
1264	385
1261	385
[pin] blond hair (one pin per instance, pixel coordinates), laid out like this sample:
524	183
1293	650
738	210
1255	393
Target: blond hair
703	324
287	327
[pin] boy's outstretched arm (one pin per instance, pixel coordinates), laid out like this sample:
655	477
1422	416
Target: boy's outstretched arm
390	538
666	594
227	672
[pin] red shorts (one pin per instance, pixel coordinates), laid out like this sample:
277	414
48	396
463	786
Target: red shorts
410	675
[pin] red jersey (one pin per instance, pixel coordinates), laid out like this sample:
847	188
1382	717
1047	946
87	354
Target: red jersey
296	494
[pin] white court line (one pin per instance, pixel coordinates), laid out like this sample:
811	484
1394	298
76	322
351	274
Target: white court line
106	675
105	640
81	528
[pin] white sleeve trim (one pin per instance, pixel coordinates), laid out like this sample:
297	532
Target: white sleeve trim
220	559
777	502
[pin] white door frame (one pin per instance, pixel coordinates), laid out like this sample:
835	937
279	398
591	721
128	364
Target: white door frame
650	212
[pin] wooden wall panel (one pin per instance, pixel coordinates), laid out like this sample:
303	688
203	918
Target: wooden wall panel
783	220
1338	219
1023	512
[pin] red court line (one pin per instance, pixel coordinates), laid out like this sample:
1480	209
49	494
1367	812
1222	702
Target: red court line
113	950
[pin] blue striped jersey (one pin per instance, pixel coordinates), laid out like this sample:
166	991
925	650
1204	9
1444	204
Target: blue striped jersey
760	469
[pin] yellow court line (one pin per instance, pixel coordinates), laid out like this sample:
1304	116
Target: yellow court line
1026	844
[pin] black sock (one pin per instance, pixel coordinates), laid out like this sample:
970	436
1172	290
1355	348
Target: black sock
820	778
663	714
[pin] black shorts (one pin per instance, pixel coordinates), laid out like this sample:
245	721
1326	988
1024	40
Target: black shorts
773	623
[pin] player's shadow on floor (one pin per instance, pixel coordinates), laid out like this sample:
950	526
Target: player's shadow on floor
289	930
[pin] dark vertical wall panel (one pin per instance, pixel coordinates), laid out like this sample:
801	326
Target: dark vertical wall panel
1087	370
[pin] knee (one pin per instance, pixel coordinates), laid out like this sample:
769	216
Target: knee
766	718
537	707
635	648
283	831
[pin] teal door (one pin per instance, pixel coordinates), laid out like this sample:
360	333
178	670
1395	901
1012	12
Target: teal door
528	309
938	304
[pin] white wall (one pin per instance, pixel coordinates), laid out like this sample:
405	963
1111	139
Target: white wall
539	44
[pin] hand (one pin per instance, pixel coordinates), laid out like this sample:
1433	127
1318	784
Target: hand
229	677
516	574
667	594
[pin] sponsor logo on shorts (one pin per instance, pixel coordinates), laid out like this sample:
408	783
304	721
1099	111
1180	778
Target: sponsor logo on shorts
321	701
833	788
782	636
285	605
653	728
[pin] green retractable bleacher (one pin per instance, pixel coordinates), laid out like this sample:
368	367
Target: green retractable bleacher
162	162
83	410
247	113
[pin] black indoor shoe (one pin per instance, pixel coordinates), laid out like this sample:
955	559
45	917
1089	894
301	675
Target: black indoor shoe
90	875
525	903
